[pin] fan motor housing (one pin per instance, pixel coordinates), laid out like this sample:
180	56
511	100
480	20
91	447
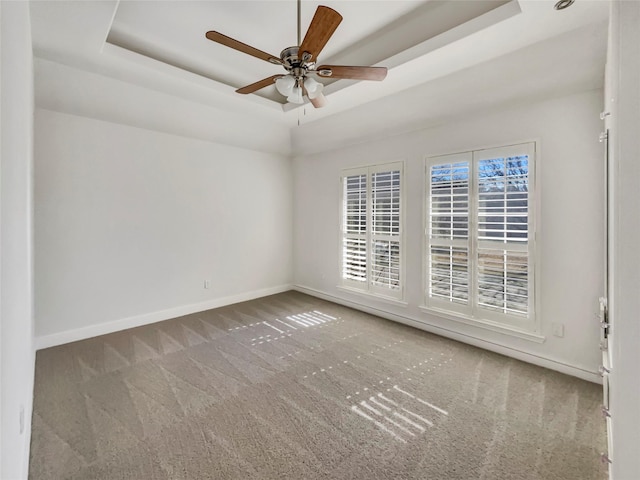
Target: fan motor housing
289	57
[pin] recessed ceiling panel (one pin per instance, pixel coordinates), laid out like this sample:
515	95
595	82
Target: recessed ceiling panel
173	32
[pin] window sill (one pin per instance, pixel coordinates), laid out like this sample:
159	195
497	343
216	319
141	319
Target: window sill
373	296
486	324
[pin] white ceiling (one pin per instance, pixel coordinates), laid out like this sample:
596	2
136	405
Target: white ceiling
428	46
173	32
176	33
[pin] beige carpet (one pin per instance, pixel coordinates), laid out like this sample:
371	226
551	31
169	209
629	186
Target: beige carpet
292	387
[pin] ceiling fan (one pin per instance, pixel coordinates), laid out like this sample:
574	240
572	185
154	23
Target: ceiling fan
300	61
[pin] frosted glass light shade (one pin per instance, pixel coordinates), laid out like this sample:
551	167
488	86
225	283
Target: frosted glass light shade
285	85
296	95
313	87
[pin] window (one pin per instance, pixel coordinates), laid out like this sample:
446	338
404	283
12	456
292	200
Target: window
372	230
479	235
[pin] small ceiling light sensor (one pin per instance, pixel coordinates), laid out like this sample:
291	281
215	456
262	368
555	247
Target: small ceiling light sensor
562	4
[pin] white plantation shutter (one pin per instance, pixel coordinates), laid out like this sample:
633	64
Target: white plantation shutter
479	227
385	229
503	199
502	281
371	229
354	244
503	231
448	229
449	273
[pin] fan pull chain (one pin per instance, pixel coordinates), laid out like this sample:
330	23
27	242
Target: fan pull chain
304	113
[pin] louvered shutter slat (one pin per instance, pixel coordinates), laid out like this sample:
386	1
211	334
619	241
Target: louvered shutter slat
503	218
503	281
354	243
385	242
448	220
503	199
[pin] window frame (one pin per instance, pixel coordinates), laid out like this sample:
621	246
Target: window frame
367	287
524	326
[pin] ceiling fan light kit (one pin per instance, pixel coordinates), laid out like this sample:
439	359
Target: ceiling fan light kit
285	85
300	61
313	87
296	96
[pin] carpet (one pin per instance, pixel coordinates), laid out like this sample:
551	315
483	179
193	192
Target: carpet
293	387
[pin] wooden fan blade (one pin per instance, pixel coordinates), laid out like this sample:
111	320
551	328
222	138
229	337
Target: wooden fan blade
254	87
242	47
324	23
354	73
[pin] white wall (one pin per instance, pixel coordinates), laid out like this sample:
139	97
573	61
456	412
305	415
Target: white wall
571	62
570	229
130	222
212	117
623	102
16	292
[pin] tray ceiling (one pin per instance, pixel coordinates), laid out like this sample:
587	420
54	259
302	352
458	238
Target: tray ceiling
161	45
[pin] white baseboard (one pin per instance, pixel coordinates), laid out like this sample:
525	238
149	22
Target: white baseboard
60	338
461	337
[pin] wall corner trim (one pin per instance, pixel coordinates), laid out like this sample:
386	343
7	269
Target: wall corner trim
67	336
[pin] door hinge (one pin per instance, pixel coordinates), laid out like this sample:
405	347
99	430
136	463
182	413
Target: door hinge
604	317
604	136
